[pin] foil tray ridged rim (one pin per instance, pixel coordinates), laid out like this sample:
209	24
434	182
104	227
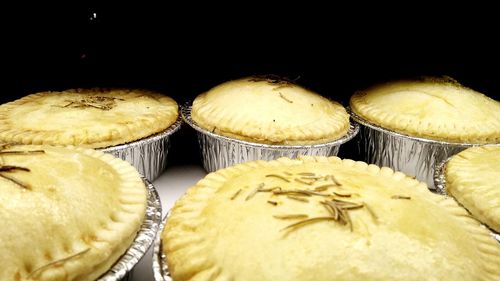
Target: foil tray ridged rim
440	183
147	155
143	240
153	138
351	133
160	268
415	156
371	125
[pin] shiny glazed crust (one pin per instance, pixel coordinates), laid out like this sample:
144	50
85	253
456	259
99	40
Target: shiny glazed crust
432	108
269	111
70	217
222	229
93	118
473	178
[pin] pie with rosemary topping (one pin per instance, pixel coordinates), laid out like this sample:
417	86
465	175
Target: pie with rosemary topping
66	213
94	118
473	179
318	218
269	110
437	109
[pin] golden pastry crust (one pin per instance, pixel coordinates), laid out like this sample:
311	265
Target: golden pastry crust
432	108
472	177
270	111
69	215
92	118
393	229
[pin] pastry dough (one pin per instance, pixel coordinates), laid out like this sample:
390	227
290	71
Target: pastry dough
432	108
270	111
255	221
92	118
473	178
66	213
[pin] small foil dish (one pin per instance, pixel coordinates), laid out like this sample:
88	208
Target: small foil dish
440	184
147	155
122	269
160	267
220	152
413	156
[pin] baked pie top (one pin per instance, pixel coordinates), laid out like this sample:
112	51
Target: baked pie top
67	213
432	108
473	178
323	219
271	111
92	118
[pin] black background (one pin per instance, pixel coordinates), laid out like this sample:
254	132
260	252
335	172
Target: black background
185	51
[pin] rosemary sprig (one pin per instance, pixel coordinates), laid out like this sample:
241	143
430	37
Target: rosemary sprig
274	79
98	102
277	176
82	104
269	189
301	199
332	209
351	207
8	168
344	202
401	197
23	185
274	203
303	181
339	210
341	194
310	178
306	174
300	192
291	192
307	221
56	263
333	179
236	194
323	187
283	97
314	193
253	192
291	217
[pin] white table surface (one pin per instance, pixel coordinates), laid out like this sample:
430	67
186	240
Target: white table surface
170	186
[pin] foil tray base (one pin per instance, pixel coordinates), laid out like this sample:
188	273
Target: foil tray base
413	156
122	269
220	152
148	155
440	183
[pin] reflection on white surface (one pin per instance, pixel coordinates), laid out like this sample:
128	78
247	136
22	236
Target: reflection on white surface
171	185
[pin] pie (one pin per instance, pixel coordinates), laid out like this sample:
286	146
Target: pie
271	111
93	118
437	109
318	218
473	178
67	213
